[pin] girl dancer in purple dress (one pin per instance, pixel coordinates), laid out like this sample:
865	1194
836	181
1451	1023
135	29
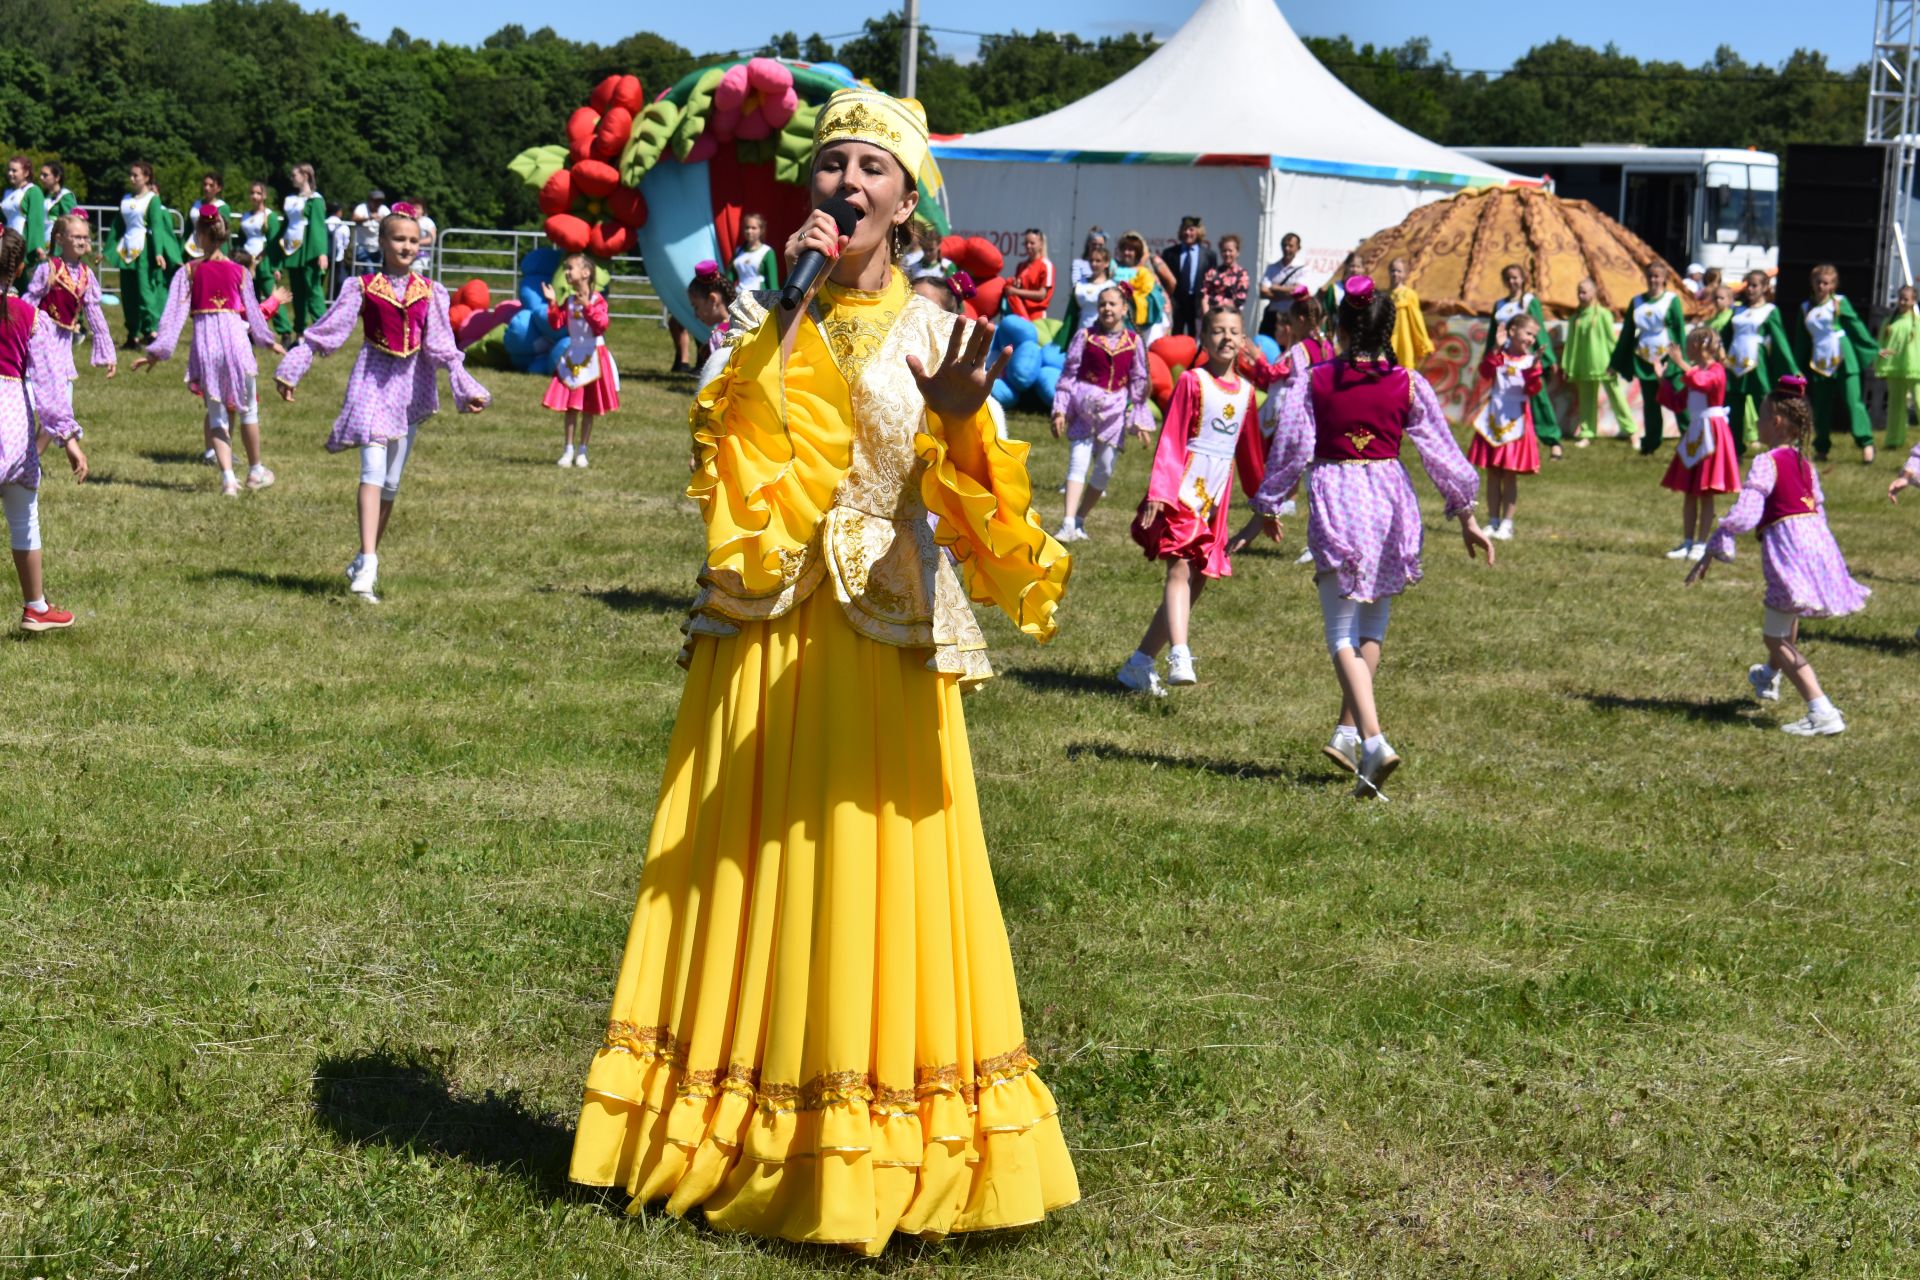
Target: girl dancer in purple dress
1909	475
220	366
392	388
1806	576
34	396
1341	427
67	293
1102	395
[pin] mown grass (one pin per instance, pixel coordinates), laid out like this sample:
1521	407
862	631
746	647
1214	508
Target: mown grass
309	910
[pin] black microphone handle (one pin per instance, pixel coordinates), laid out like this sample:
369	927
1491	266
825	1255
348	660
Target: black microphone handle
805	271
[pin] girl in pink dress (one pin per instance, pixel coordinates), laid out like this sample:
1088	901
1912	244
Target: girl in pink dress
218	293
66	292
392	388
1805	573
1341	428
1705	463
1504	444
585	382
1102	395
1307	346
1183	519
34	396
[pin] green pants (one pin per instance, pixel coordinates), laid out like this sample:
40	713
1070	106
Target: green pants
1655	425
1836	403
143	296
262	290
309	286
1744	417
1899	393
1546	422
1588	396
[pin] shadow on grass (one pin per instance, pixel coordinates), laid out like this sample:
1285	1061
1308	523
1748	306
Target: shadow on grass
401	1098
660	378
169	486
174	457
1056	680
642	600
1711	710
1901	644
305	584
1244	770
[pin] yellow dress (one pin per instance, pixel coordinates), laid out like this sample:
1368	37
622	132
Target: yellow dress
816	1033
1411	342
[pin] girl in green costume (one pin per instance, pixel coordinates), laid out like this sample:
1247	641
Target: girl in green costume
211	186
1758	356
1656	323
1546	423
1585	362
25	208
60	203
303	249
1832	343
1899	363
260	229
145	244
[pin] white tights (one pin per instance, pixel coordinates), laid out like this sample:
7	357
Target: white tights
1348	622
1090	462
382	464
23	516
220	419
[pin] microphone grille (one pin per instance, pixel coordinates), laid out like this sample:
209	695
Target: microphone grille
841	210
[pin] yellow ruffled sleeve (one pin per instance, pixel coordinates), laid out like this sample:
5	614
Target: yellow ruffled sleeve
978	485
768	453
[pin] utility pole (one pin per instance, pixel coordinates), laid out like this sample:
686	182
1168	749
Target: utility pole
910	50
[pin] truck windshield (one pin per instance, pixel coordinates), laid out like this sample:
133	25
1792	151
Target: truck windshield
1741	204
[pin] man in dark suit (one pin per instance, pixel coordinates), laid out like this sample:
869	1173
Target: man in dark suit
1189	258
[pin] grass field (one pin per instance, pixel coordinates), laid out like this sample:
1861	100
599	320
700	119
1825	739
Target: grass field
309	909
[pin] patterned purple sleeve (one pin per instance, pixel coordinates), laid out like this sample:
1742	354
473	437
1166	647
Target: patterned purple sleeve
175	319
1140	392
1293	437
1069	371
324	338
1440	453
1744	518
1913	463
37	287
100	339
441	348
52	393
256	319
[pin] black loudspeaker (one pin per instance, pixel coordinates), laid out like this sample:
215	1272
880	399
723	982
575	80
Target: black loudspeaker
1830	203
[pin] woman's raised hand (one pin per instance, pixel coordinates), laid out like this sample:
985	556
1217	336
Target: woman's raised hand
960	385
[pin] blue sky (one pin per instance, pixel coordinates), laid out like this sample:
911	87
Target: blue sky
1476	36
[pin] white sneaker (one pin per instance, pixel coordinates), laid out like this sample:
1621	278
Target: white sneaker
1375	768
1141	678
1817	725
1684	551
259	478
353	566
210	458
1765	688
580	460
1344	752
230	489
566	459
1067	532
1305	557
1699	551
1180	669
1502	529
365	578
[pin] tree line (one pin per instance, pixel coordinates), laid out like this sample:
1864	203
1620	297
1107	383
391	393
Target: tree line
252	87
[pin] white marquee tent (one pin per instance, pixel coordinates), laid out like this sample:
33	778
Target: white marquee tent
1231	119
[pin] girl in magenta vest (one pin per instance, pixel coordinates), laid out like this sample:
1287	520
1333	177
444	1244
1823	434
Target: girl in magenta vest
218	292
1705	463
393	387
66	292
1103	394
1504	444
1341	428
1806	576
1909	475
35	396
1208	435
1308	348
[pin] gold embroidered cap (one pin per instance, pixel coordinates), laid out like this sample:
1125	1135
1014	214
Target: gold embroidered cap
897	126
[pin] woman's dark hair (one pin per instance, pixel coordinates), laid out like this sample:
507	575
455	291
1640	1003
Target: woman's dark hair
13	251
58	170
1366	325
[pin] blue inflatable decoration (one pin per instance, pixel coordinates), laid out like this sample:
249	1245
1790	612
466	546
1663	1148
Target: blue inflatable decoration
1003	393
1012	331
528	339
1025	365
677	234
1268	347
1052	357
1048	382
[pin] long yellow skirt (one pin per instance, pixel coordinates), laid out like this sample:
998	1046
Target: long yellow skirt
816	1034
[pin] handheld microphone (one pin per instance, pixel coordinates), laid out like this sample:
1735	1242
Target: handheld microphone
812	262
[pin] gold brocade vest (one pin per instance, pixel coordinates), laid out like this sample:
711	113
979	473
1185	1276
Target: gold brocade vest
874	544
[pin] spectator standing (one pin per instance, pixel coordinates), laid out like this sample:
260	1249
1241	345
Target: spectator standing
1030	292
1277	284
366	231
429	233
1228	284
1082	265
1187	261
60	202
